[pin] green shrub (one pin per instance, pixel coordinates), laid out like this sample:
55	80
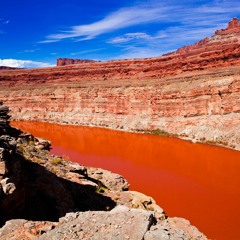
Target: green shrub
20	149
36	159
56	161
157	132
31	143
100	188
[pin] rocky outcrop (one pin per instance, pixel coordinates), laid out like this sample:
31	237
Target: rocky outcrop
4	119
120	223
27	168
192	92
69	61
232	28
43	196
221	41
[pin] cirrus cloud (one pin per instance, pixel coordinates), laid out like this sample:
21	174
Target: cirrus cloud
211	14
131	36
121	18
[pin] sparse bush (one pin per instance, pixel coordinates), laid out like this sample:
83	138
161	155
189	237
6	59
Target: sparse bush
56	160
216	142
20	149
157	132
36	159
100	188
31	143
53	170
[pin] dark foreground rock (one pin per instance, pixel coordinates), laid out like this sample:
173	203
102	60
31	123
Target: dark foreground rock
43	196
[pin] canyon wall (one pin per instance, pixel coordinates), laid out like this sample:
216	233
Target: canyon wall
192	92
69	61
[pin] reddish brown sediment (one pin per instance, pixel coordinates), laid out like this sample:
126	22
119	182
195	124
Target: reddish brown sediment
192	92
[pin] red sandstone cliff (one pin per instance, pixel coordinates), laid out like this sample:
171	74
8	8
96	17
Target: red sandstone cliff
69	61
193	91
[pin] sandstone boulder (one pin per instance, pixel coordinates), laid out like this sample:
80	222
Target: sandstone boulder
120	223
174	228
111	181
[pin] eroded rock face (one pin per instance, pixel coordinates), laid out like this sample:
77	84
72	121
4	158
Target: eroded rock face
192	92
233	27
223	41
69	61
173	228
34	185
120	223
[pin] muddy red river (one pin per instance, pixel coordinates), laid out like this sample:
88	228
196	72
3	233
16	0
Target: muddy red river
198	182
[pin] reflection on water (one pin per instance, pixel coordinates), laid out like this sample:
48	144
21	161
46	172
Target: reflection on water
194	181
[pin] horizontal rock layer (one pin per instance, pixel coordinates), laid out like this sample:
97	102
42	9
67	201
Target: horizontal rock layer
202	104
69	61
192	92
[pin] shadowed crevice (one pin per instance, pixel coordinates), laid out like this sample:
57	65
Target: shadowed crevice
40	195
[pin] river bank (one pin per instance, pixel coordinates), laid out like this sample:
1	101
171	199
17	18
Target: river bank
38	189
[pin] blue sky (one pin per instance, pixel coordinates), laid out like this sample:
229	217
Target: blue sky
34	33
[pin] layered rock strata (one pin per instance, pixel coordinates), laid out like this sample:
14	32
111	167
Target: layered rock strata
43	196
191	92
69	61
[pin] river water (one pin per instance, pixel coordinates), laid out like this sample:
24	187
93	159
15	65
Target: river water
198	182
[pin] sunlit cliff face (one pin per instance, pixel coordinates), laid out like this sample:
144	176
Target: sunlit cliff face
193	91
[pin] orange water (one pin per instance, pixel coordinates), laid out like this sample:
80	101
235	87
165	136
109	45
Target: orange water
194	181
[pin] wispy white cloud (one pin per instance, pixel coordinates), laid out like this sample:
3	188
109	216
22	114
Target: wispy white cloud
22	63
122	18
161	42
4	21
140	52
163	27
192	24
130	37
30	50
86	51
49	41
213	13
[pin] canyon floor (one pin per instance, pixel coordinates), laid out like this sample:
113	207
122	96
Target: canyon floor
80	203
